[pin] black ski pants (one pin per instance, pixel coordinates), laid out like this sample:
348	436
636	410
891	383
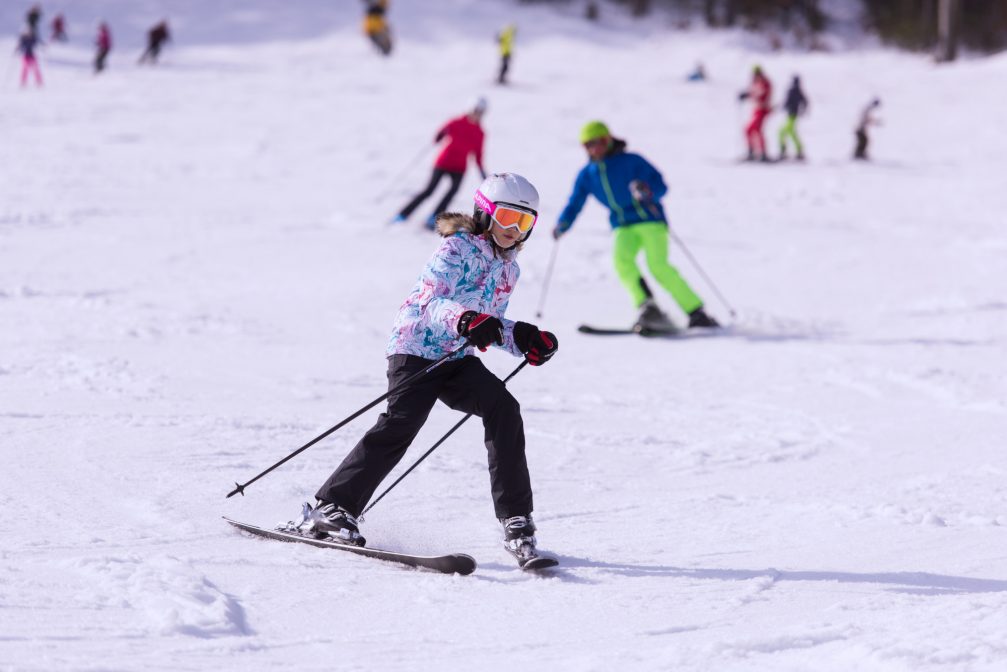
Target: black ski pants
860	152
464	385
504	67
435	178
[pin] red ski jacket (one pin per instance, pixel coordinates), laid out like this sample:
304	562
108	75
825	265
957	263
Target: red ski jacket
761	92
464	137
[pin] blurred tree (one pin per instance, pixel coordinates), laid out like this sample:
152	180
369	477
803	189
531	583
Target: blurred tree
940	24
911	24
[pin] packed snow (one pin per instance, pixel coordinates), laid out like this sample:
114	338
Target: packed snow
197	276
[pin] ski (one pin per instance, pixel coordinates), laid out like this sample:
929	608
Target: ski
533	562
539	562
456	563
617	331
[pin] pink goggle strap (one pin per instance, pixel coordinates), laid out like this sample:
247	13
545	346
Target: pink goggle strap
486	204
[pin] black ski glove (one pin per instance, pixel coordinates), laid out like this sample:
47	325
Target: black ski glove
481	329
538	346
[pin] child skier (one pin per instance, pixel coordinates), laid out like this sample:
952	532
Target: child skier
761	93
464	136
460	297
632	189
795	105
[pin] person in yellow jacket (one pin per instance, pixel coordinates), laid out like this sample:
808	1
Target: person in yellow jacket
376	27
505	38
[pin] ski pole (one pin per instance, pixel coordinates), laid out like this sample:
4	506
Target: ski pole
240	489
699	268
398	176
432	449
548	277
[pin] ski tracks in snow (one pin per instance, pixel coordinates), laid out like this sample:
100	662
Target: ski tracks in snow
162	594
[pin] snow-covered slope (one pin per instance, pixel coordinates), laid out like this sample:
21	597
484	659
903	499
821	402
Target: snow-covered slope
196	278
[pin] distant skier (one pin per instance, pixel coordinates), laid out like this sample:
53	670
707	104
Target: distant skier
505	38
27	44
376	25
464	136
795	105
103	45
632	189
697	75
867	118
761	93
460	297
58	29
156	38
32	18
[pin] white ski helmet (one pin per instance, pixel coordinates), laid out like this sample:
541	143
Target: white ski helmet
505	188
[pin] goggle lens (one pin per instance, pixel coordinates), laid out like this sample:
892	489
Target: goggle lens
510	218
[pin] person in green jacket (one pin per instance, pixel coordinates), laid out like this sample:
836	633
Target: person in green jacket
632	189
505	38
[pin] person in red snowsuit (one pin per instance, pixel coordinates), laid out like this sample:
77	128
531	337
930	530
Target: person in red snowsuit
464	136
761	93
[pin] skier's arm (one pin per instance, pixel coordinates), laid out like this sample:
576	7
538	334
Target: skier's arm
574	205
440	279
443	131
649	174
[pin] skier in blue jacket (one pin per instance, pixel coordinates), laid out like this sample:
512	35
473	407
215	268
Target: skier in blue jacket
632	189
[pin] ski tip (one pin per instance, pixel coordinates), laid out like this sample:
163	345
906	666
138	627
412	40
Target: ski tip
464	564
539	563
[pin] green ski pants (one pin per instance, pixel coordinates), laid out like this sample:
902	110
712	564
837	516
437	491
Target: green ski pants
652	238
790	128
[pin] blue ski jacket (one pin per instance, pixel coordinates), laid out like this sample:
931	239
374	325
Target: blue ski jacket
608	180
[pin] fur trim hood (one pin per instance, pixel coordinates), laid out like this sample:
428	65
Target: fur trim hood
450	223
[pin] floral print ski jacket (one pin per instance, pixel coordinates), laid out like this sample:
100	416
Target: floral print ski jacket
467	272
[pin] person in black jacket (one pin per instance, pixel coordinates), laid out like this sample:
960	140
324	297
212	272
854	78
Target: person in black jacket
867	119
156	37
795	105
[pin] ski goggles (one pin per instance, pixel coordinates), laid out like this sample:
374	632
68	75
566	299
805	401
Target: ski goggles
507	216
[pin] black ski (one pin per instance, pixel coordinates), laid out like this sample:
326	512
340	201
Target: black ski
617	331
457	563
538	562
530	560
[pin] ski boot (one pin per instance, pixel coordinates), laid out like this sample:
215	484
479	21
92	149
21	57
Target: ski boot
652	320
519	540
699	318
431	223
332	522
